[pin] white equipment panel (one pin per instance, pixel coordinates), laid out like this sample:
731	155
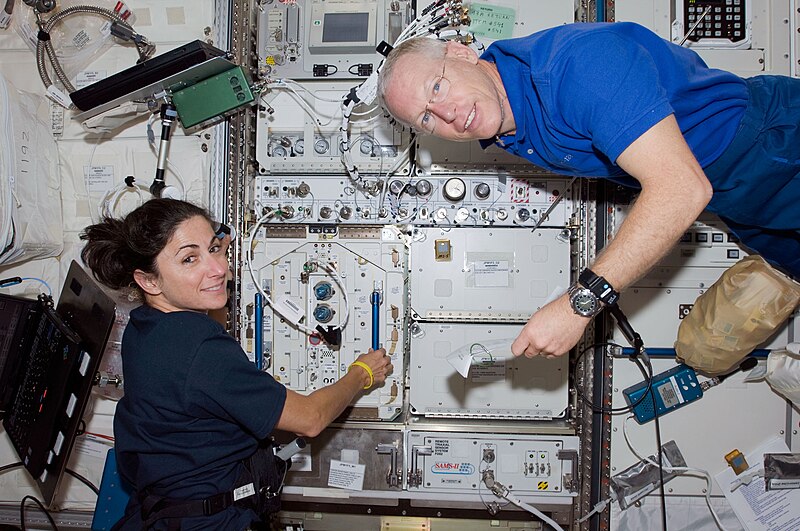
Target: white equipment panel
468	201
498	385
286	263
657	303
745	37
529	465
486	274
297	131
732	415
327	38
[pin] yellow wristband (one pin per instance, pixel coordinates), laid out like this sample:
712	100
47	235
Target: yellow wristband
366	368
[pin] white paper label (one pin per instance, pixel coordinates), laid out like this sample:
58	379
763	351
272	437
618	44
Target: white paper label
98	178
87	77
301	461
784	483
56	118
243	492
346	475
484	369
491	274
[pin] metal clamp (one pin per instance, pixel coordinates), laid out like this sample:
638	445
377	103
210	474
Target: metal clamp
415	473
570	482
394	474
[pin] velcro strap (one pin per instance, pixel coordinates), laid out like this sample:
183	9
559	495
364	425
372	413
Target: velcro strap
155	508
218	502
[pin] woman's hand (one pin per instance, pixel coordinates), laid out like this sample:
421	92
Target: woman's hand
379	363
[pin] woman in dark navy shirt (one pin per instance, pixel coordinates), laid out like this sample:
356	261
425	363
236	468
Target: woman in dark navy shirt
194	405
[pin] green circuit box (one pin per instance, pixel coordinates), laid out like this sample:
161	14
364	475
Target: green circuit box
212	97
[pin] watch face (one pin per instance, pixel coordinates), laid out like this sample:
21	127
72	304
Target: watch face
584	302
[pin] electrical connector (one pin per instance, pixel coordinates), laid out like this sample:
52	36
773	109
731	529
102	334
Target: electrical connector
323	70
599	508
332	336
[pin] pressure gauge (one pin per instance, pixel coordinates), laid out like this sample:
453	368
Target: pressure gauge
299	146
454	189
321	146
482	191
279	151
367	146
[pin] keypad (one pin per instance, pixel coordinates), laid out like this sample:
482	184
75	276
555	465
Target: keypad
726	20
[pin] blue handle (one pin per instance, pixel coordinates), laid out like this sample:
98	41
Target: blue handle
670	352
375	300
259	325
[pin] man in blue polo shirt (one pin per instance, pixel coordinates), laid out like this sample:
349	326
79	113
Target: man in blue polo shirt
614	100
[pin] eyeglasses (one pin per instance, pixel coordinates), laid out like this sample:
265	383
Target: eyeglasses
438	93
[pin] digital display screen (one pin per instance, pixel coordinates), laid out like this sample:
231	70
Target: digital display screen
668	394
345	27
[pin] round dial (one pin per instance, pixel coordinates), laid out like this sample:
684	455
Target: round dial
482	191
367	146
454	189
300	146
321	146
584	302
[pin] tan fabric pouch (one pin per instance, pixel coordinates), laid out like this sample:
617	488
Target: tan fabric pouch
748	303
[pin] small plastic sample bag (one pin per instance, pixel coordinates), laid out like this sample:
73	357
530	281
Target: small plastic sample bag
782	372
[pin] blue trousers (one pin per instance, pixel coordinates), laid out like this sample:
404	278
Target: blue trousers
756	181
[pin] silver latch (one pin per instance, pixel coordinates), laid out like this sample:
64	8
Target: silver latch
415	473
394	474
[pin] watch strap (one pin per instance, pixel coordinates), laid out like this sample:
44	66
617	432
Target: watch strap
599	286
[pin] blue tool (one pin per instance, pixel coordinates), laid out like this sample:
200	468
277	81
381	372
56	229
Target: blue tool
375	300
259	326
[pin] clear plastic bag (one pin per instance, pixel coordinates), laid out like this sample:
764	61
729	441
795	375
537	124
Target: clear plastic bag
78	39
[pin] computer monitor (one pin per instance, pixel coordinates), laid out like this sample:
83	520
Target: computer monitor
50	366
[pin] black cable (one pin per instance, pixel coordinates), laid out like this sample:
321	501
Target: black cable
41	506
12	466
652	393
83	480
619	410
636	341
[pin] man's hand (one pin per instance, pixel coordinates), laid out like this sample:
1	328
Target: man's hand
550	332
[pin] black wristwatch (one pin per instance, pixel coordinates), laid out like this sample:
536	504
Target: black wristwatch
586	295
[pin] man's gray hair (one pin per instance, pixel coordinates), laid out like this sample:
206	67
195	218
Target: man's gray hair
426	47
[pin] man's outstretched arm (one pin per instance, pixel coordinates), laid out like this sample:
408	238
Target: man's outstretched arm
674	192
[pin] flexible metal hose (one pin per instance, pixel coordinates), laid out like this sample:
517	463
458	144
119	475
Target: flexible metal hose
46	46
